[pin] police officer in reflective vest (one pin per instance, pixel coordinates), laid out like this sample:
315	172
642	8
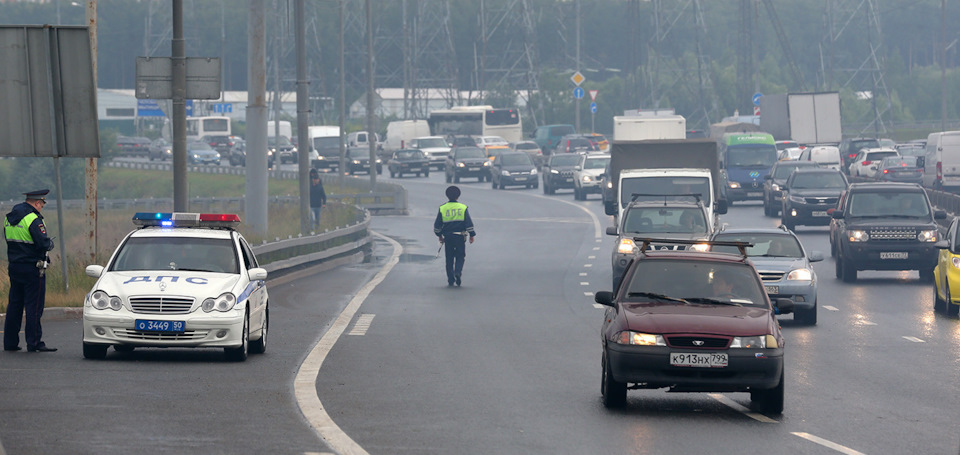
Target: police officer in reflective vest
27	247
452	226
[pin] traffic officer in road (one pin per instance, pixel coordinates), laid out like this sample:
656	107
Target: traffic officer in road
27	247
452	226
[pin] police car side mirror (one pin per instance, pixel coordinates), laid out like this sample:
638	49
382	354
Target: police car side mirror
257	274
611	230
94	271
604	298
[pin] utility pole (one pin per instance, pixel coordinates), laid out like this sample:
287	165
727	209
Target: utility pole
943	65
371	134
343	107
303	118
90	199
577	100
179	62
255	202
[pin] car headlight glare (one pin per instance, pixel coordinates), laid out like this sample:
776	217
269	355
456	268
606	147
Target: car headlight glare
356	161
225	302
640	339
757	342
701	247
586	179
734	185
486	163
460	164
533	172
857	235
610	185
102	301
775	187
928	236
800	275
554	171
627	246
505	173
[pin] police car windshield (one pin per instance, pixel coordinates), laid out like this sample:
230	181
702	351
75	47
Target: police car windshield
176	253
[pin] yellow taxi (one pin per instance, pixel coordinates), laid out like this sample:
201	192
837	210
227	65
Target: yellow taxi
600	141
946	274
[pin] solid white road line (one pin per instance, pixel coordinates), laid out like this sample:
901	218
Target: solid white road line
826	443
305	383
726	401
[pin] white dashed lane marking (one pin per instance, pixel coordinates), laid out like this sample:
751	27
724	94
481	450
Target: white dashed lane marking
584	283
831	308
588	265
598	306
583	273
826	443
362	324
914	339
588	294
591	257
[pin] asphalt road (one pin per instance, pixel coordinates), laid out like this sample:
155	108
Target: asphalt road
508	363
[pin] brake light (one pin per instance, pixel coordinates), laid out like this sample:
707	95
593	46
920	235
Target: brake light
886	171
866	163
852	155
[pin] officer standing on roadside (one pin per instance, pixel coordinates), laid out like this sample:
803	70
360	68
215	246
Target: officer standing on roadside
27	247
452	226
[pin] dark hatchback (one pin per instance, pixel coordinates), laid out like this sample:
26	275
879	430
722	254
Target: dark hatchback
885	226
408	162
513	169
850	148
358	160
773	184
808	194
692	322
467	161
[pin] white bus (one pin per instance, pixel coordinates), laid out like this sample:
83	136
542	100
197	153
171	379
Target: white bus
477	121
198	127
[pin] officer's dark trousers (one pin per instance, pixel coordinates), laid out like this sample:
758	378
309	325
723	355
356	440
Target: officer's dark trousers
455	247
27	293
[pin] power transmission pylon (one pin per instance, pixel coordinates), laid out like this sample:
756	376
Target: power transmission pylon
508	52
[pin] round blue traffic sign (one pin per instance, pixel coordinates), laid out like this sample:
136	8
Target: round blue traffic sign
593	108
578	92
756	98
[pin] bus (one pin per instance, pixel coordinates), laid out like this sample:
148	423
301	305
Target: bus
477	121
198	127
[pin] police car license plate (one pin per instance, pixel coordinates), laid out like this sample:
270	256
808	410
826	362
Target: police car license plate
147	325
894	255
687	359
772	289
820	213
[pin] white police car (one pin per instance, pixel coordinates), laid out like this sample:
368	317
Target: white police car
179	280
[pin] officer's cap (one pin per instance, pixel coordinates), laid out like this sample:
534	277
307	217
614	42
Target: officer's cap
38	194
453	192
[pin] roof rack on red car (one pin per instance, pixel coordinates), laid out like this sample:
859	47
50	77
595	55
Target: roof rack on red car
646	241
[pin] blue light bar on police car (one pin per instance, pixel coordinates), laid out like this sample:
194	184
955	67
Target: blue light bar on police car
183	219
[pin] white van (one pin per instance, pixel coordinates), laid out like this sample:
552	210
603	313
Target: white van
826	156
359	139
324	146
285	129
400	132
941	160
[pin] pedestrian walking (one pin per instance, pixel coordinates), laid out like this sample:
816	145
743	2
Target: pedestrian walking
27	247
318	198
452	226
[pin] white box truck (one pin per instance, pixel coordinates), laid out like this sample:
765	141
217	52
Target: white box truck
807	118
637	128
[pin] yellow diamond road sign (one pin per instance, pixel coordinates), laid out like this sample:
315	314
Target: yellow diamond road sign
577	78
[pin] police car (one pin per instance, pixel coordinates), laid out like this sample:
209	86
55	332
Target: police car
178	280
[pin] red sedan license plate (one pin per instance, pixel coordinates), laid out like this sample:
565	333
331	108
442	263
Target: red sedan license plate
687	359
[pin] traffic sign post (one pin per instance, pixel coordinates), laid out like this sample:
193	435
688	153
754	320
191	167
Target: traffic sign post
593	113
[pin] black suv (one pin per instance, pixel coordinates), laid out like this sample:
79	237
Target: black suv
850	147
884	226
808	194
466	161
558	171
773	184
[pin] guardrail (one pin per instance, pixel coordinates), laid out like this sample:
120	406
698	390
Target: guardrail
289	254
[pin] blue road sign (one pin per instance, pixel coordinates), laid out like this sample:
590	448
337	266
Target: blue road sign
756	98
223	108
149	108
578	92
593	108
